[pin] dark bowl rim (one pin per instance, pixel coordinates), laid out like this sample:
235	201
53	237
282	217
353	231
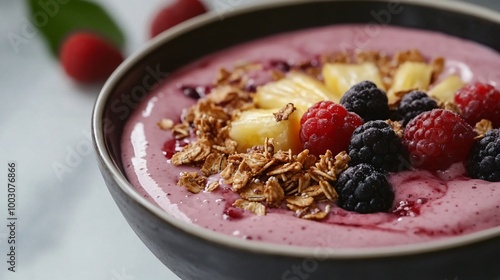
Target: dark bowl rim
253	246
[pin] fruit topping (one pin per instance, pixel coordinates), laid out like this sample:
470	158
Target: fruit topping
438	138
327	126
252	127
376	143
484	159
410	76
413	104
88	58
445	90
479	101
300	89
366	100
363	189
339	77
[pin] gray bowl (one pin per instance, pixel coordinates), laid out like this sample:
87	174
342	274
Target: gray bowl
195	253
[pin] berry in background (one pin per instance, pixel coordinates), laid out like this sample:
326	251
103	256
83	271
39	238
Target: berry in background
88	58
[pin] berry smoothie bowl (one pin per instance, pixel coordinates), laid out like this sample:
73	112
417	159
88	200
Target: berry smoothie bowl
335	139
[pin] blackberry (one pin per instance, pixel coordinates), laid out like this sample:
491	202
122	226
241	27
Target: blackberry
376	143
366	100
413	104
484	159
363	189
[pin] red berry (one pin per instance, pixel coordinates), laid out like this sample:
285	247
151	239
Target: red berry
327	126
88	58
436	139
174	14
479	101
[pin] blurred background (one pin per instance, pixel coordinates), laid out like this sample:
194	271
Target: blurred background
68	226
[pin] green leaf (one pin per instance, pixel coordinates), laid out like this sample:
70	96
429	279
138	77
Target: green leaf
56	19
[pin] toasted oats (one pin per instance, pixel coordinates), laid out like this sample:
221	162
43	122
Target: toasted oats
165	124
318	215
304	182
253	191
256	162
214	163
242	176
300	201
450	106
193	181
282	156
328	190
273	192
269	147
482	127
277	75
222	76
227	173
409	55
228	148
254	207
287	167
397	127
337	57
192	153
284	113
180	130
212	186
314	191
341	162
437	68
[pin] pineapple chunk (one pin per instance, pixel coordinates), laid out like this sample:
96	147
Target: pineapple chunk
339	77
408	76
300	89
445	90
252	127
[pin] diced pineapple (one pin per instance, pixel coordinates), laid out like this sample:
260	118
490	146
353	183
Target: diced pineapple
339	77
252	127
408	76
300	89
445	90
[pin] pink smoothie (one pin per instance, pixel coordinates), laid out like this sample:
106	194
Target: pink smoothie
428	205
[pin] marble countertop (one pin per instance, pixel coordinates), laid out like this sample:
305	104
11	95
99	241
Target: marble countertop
68	226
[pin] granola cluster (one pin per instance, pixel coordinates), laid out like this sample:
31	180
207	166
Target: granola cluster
262	176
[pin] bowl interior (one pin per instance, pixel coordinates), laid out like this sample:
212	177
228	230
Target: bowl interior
196	38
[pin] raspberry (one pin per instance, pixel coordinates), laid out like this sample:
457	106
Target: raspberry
363	189
484	158
479	101
376	143
88	58
366	100
179	11
327	126
438	138
413	104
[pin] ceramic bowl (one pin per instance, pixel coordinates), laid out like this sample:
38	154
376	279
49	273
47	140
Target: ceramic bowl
195	253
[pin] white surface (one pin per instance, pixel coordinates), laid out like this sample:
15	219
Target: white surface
68	225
